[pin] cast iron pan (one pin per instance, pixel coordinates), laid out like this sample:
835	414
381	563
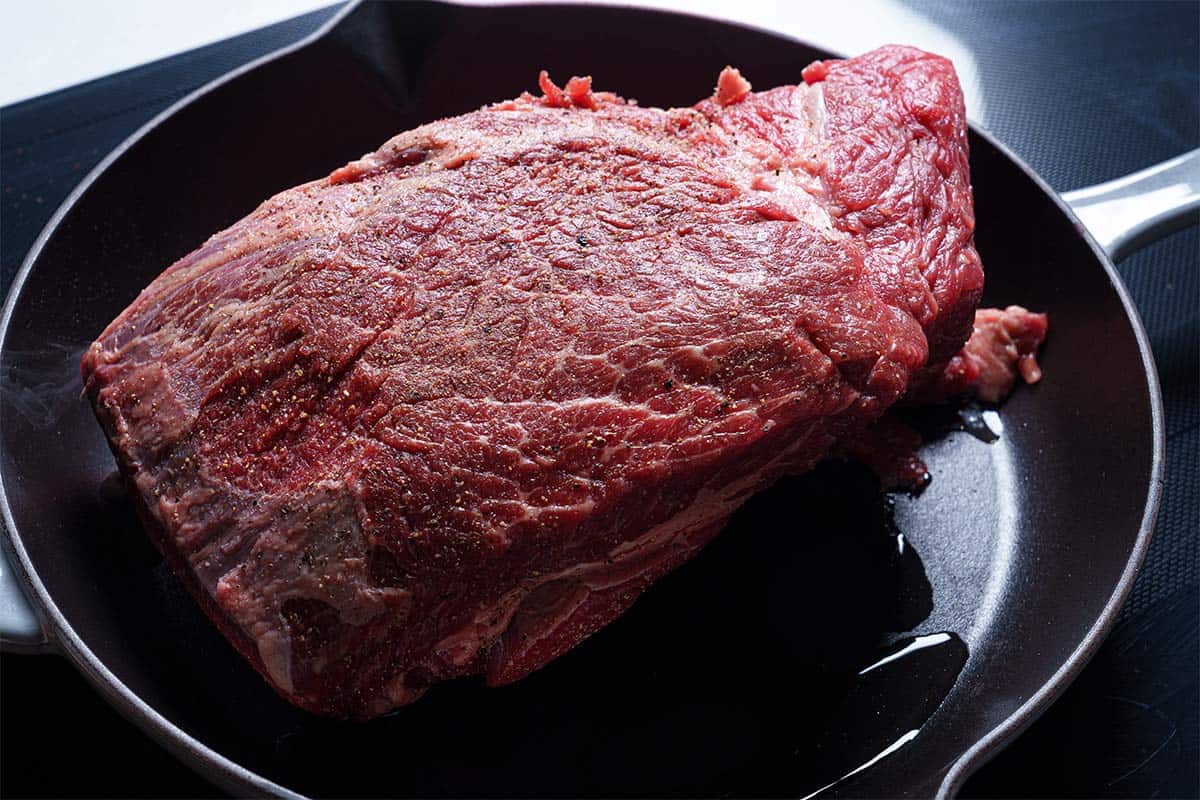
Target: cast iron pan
739	674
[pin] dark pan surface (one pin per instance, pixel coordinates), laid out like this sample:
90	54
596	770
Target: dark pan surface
733	675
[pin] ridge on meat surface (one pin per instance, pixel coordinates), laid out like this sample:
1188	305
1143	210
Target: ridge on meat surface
450	410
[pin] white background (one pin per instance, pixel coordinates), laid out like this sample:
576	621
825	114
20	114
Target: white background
49	44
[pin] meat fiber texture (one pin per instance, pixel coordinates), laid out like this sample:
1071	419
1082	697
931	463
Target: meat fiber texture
451	409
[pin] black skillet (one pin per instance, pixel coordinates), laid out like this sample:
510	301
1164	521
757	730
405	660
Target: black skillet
736	675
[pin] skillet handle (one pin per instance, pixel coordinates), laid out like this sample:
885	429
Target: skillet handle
19	628
1128	213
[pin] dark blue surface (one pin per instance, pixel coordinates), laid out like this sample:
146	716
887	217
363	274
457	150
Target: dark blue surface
1083	91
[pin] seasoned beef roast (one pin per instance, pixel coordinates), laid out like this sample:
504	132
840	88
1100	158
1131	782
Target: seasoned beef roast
451	409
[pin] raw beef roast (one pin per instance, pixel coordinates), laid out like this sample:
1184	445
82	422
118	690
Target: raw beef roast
451	409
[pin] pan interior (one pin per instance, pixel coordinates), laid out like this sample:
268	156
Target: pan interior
728	676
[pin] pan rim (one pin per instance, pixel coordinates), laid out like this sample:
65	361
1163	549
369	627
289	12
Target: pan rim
993	742
232	776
